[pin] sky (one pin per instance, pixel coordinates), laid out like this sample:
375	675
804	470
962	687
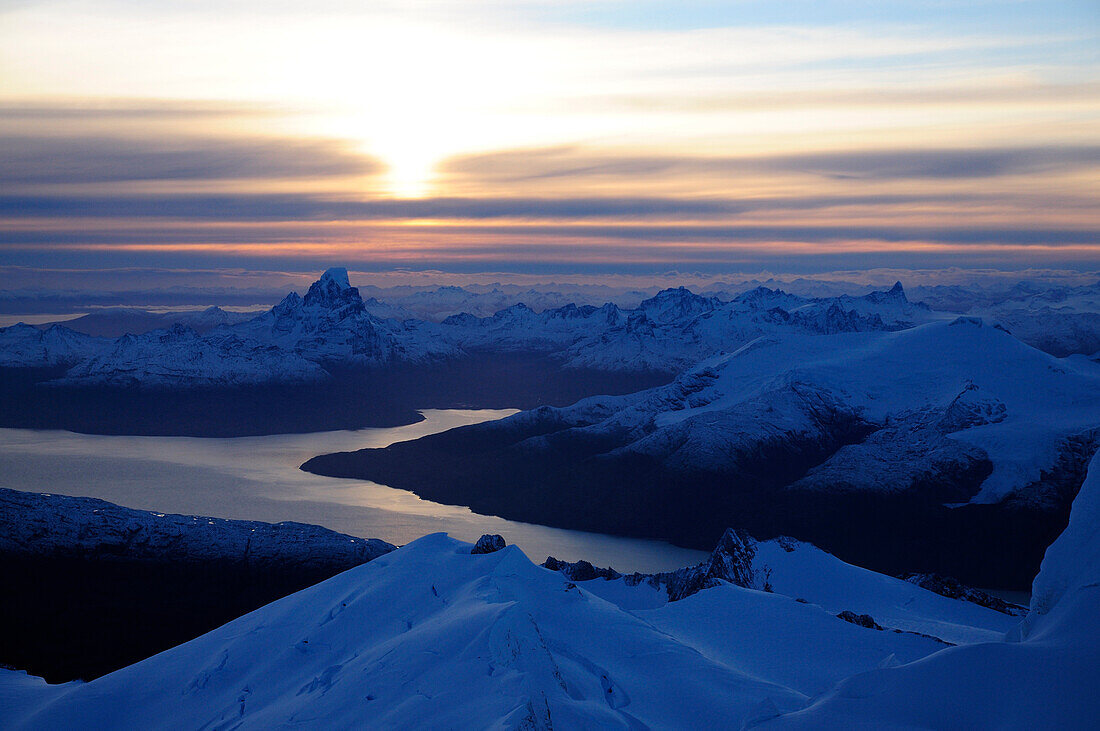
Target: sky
598	137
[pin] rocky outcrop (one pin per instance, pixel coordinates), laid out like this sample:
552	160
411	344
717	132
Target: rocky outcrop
972	407
954	589
1059	483
580	570
731	561
913	452
489	543
862	620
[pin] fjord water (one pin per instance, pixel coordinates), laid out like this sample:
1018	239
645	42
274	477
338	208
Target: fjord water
257	478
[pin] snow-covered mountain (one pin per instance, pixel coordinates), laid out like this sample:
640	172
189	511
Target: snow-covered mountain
435	304
113	322
180	356
798	569
519	328
676	329
91	587
305	337
941	391
821	436
58	526
780	634
331	326
1061	320
1042	677
291	343
433	635
24	346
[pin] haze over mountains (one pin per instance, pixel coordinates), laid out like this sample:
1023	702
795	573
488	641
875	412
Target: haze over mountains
332	325
1061	319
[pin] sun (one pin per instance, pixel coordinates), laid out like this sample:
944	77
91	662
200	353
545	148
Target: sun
410	169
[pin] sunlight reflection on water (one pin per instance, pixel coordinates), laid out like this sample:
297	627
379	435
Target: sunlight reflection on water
257	478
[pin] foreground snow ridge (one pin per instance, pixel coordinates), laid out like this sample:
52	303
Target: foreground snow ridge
442	634
1043	677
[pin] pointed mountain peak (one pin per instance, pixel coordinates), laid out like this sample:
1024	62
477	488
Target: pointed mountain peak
894	294
732	558
338	276
333	290
674	293
760	294
513	310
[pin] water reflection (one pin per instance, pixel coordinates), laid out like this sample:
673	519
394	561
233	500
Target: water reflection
257	478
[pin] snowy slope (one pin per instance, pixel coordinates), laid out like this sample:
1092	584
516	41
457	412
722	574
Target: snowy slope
27	346
180	355
1060	320
802	571
1044	679
1054	331
889	375
432	636
957	386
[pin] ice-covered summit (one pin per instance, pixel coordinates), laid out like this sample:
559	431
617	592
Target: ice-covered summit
337	276
670	305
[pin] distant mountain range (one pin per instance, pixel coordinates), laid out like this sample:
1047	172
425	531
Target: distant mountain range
302	339
113	322
1058	318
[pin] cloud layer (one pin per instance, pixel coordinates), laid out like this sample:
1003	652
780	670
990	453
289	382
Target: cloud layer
551	135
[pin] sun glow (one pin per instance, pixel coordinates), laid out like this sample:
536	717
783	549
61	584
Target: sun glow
545	124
